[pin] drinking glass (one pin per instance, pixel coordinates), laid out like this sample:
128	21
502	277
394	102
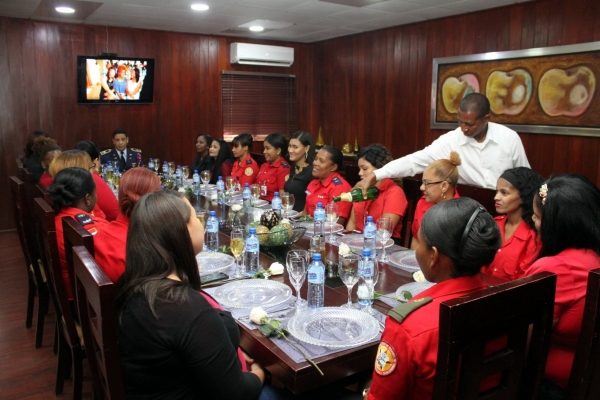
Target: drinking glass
296	262
156	164
185	172
384	232
255	188
331	214
202	215
229	184
348	269
116	178
205	177
115	164
287	202
237	249
370	282
171	165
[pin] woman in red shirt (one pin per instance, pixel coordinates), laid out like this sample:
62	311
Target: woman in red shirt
275	170
515	190
439	184
73	194
109	244
45	149
391	202
219	150
566	213
244	168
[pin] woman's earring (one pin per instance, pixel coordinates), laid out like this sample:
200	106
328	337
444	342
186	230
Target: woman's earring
306	156
443	196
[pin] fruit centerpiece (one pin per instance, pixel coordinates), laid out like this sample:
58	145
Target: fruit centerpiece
273	231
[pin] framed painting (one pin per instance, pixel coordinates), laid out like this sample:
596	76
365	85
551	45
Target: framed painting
551	90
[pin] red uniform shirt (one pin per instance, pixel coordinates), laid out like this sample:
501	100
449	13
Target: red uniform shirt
107	201
245	170
421	209
109	247
46	180
572	267
318	192
90	222
516	254
407	355
391	200
272	177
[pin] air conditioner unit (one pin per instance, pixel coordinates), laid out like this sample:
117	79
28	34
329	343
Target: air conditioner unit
259	54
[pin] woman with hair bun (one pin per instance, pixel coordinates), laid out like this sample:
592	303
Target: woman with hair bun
566	213
439	184
275	170
109	244
515	190
45	149
456	238
73	194
391	202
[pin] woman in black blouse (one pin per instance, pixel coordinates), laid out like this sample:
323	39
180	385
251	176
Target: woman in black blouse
301	149
203	161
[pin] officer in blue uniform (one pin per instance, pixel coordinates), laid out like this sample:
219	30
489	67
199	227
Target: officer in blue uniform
126	157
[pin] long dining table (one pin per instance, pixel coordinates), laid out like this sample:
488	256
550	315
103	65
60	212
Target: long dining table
340	368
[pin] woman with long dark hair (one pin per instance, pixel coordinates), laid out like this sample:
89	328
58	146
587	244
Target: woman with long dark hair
220	152
301	153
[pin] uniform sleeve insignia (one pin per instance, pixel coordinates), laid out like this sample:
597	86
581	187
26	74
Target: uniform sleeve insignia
248	171
336	181
399	313
285	165
136	150
249	161
105	152
93	231
84	219
386	359
287	177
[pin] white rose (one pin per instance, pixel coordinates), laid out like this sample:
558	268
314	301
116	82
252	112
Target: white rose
213	196
363	292
344	250
236	207
285	221
276	269
418	276
257	314
182	190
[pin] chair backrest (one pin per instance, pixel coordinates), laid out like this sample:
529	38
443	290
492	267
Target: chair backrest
413	194
584	382
75	235
41	191
95	301
45	217
500	316
17	191
352	174
258	157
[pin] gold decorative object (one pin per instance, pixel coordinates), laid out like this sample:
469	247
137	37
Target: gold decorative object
347	149
356	148
320	142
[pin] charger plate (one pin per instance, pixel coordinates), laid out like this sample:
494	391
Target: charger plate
252	293
334	327
310	227
210	262
357	241
405	260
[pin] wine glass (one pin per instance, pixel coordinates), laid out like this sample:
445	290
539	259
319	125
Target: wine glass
205	177
116	179
369	275
348	269
287	202
384	232
171	165
156	164
297	261
185	172
255	188
229	183
331	214
237	249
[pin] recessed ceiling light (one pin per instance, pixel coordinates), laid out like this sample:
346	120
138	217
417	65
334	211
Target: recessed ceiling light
256	28
199	7
65	10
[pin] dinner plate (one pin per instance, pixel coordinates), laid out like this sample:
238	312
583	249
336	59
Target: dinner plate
357	241
414	288
211	262
289	214
405	260
310	227
334	327
252	293
260	203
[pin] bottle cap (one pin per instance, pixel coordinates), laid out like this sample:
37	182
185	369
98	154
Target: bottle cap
275	194
195	171
317	257
246	185
366	252
213	213
319	204
252	231
369	218
179	166
220	178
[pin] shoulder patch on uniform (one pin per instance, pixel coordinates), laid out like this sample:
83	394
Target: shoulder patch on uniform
105	152
93	231
285	165
248	171
248	161
336	181
386	359
136	150
399	313
84	219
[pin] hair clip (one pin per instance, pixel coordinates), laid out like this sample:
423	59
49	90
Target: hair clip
544	193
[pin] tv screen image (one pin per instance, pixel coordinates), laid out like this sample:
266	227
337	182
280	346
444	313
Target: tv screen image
123	80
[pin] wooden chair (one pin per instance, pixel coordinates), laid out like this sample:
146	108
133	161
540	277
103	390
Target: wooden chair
75	235
413	194
95	301
584	382
501	313
352	174
258	157
35	275
41	191
70	351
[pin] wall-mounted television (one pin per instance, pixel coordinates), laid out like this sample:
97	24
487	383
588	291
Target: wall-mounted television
115	80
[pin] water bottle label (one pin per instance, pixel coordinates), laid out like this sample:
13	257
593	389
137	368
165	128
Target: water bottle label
252	246
319	215
315	277
370	233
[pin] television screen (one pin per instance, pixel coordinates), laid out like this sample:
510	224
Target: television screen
122	80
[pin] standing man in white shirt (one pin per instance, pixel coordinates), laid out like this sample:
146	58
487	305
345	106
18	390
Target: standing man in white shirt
485	148
125	157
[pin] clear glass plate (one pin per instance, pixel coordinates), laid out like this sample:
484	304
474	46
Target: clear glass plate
289	214
334	327
209	262
310	227
357	241
405	260
414	288
260	203
252	293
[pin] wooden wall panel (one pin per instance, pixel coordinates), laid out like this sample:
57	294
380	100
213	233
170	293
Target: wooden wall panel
400	120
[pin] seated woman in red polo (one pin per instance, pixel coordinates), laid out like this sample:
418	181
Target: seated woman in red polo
46	150
275	170
515	190
391	202
328	183
405	363
73	194
439	184
566	213
109	244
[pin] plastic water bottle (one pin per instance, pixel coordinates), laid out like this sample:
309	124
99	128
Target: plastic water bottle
178	178
165	168
370	235
319	220
151	164
316	282
247	197
365	280
212	232
276	203
196	179
220	190
251	253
